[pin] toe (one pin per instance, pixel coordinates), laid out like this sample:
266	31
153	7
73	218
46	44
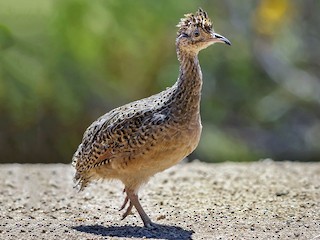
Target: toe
150	225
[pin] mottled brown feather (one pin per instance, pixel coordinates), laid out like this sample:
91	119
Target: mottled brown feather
133	142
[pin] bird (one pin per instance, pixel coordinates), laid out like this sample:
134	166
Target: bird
133	142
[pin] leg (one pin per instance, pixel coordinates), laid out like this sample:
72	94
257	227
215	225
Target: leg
128	211
134	201
124	203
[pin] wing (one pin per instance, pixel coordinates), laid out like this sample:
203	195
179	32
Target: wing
119	133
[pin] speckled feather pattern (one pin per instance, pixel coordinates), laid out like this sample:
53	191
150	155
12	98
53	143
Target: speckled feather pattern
136	129
133	142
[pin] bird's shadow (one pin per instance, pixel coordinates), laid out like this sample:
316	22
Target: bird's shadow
158	232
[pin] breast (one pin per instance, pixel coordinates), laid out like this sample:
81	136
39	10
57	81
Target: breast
174	146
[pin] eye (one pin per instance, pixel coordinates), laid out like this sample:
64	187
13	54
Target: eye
184	35
196	33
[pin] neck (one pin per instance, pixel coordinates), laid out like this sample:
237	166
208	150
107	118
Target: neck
190	76
188	86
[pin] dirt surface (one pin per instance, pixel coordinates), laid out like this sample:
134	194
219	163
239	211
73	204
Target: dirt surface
262	200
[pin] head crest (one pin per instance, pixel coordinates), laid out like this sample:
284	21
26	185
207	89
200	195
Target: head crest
200	19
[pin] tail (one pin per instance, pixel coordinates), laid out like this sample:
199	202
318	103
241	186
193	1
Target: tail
81	181
82	177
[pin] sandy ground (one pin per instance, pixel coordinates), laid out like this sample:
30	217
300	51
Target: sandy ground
261	200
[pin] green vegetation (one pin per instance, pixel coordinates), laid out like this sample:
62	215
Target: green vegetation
63	63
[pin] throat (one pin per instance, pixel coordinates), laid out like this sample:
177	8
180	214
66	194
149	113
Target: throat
190	76
188	87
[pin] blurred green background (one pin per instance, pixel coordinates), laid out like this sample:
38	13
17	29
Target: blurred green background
63	63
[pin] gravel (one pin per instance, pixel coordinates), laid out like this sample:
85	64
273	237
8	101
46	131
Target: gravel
262	200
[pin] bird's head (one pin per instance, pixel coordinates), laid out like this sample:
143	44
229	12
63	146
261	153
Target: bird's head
196	33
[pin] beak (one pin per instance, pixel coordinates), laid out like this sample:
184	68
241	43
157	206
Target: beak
219	38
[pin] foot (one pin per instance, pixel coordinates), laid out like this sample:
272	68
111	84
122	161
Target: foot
134	201
128	211
151	225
